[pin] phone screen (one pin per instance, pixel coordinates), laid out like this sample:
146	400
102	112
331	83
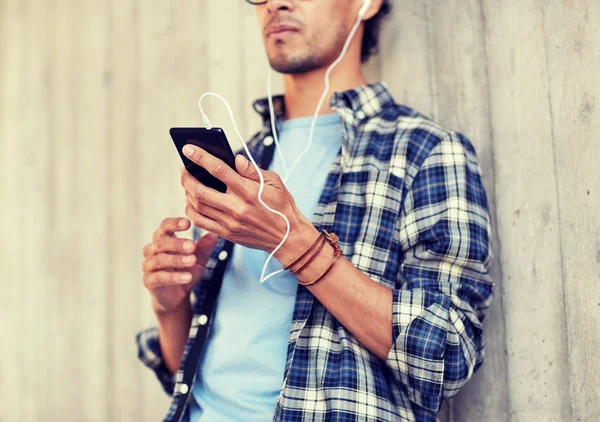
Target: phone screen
213	141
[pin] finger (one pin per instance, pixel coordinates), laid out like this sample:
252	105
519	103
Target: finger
169	244
214	166
166	278
251	173
204	222
203	193
246	168
204	247
165	260
171	225
225	220
207	210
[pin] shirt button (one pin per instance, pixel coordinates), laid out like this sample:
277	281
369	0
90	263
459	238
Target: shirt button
183	389
268	141
223	255
202	319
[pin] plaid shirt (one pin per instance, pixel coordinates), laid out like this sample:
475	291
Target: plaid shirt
406	199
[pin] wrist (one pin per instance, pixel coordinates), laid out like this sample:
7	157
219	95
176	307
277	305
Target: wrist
173	329
301	236
317	265
181	310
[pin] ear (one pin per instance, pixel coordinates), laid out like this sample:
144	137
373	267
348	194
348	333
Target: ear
245	168
373	9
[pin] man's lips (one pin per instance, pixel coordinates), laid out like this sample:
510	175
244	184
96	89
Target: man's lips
280	29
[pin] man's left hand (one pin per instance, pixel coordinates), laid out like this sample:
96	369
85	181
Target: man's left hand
237	215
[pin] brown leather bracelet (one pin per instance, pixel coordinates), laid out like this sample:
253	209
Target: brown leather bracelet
333	239
331	264
323	242
303	253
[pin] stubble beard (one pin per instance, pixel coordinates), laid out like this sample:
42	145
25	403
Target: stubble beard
296	62
289	61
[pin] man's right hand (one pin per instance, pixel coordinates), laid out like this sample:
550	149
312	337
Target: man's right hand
173	266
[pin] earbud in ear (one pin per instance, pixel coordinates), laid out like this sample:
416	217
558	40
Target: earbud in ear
364	8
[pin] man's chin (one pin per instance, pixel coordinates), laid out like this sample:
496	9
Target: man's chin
291	66
286	69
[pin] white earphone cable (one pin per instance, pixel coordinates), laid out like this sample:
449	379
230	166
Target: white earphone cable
208	125
324	95
260	175
273	129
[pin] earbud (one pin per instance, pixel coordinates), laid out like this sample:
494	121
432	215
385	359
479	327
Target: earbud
364	8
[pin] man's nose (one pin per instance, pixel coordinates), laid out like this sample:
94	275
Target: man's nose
279	5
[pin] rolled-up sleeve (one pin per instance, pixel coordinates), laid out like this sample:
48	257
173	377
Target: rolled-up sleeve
445	286
150	355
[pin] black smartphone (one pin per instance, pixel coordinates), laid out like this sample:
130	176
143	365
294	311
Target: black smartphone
212	140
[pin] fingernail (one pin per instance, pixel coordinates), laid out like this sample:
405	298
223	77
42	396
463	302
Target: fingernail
185	277
187	150
189	245
181	223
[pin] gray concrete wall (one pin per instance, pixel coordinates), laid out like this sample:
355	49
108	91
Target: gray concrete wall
88	90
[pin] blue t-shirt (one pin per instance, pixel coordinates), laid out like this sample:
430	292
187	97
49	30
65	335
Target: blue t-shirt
241	372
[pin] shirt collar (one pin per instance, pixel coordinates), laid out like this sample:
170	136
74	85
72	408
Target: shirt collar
362	102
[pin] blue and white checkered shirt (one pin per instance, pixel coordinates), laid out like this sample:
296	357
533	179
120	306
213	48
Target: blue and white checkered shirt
406	198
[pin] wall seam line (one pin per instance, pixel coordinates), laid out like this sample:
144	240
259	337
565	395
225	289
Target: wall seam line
560	237
495	231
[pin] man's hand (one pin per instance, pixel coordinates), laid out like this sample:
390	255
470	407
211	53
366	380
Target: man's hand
173	266
237	215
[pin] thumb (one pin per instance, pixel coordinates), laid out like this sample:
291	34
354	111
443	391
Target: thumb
205	246
245	168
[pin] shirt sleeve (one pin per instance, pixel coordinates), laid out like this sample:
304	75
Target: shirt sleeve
150	355
445	290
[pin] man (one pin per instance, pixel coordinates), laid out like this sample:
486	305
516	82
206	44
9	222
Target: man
394	326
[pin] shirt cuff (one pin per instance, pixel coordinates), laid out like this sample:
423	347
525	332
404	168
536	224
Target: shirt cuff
420	328
150	355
